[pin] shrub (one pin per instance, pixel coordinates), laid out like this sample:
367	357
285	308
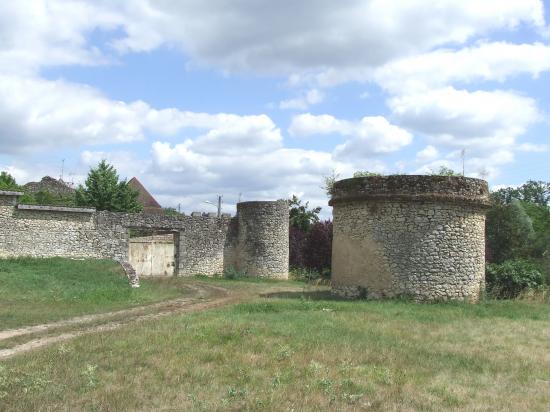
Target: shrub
318	247
311	251
297	240
508	279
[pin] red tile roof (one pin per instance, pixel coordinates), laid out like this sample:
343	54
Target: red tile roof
144	197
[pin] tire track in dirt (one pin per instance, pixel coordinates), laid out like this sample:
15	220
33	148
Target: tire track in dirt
208	297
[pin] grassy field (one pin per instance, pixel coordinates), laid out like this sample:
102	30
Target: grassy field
296	353
35	291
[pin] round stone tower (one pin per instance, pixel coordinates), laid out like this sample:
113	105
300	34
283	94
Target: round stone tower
263	239
414	236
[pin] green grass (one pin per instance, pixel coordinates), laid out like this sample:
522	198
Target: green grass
299	354
34	291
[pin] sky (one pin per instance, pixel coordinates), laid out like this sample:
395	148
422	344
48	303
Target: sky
260	100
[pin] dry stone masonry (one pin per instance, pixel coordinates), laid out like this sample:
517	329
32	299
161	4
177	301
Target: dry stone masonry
414	236
255	241
261	236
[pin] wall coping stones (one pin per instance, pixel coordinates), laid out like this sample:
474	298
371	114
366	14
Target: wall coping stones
56	209
415	188
10	193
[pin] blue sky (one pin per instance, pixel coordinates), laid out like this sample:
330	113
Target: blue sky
263	99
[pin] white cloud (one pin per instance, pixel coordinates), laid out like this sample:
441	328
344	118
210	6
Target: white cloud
390	42
36	33
314	35
427	154
269	175
370	136
488	61
258	36
37	114
532	148
310	98
457	118
486	124
308	124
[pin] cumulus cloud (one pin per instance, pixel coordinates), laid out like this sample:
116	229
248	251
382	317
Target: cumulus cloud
38	114
532	147
396	44
458	118
311	97
370	136
178	168
258	36
426	154
35	33
489	61
312	35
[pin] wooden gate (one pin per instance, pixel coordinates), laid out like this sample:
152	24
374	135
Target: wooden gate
153	255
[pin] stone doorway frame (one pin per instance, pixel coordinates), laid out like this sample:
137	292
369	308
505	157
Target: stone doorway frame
137	231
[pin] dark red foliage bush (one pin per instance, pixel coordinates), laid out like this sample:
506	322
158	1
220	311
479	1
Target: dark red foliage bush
297	239
318	246
311	250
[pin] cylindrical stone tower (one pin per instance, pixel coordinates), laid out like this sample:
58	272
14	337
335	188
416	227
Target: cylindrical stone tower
421	237
263	239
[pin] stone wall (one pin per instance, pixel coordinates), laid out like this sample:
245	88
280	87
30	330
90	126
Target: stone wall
205	245
260	239
416	236
42	232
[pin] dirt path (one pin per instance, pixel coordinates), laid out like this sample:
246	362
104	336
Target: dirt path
205	297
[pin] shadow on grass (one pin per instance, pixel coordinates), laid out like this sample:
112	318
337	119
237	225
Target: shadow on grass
307	295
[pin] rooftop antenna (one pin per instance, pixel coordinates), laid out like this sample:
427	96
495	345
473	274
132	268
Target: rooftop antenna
463	156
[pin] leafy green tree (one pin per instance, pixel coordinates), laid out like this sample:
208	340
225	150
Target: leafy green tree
7	182
300	215
533	192
103	190
509	232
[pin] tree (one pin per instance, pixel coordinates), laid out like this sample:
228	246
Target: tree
532	192
509	232
104	191
7	182
299	214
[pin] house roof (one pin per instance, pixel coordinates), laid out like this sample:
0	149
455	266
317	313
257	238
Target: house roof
145	198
